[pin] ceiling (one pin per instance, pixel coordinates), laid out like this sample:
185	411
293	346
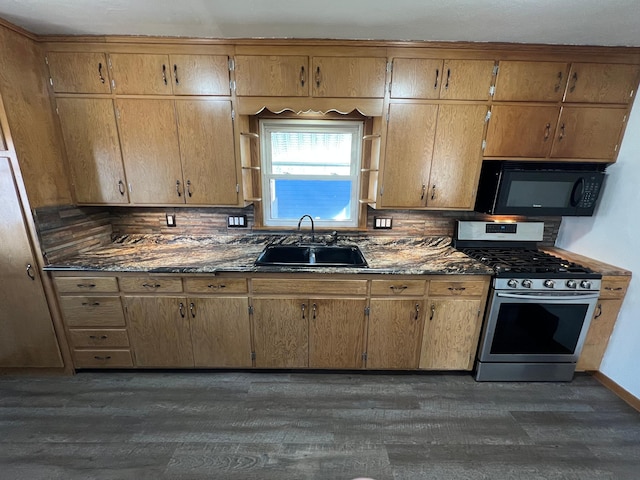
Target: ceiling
576	22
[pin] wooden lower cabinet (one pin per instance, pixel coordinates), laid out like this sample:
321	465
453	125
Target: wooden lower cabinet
451	332
395	333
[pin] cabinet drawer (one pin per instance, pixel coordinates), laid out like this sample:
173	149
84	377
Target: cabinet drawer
151	284
397	287
457	288
92	311
102	358
87	284
614	287
98	338
215	285
312	287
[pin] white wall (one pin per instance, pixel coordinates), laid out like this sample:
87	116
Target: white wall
612	235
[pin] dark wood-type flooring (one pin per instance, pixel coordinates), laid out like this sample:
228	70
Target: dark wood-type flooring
261	425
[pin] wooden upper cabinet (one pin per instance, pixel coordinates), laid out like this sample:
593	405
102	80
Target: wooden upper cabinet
272	75
93	149
602	83
205	131
79	72
150	150
351	77
427	78
200	74
531	81
410	138
141	73
457	156
521	131
588	132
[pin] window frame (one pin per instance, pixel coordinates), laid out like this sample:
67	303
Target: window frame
355	127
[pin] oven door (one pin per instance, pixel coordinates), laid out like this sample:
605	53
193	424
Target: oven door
536	326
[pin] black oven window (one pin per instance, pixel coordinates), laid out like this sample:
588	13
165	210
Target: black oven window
526	328
546	194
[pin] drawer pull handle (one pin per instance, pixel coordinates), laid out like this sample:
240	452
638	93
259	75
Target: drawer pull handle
98	337
315	309
151	285
613	289
216	286
398	289
106	357
417	311
457	289
433	312
164	74
100	76
598	311
303	309
192	309
181	309
94	304
30	273
86	285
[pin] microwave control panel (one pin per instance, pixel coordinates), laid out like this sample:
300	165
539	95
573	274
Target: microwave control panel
589	194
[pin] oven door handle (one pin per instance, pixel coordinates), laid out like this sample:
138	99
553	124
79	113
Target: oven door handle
575	298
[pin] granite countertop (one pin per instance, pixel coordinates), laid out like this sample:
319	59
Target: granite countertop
225	253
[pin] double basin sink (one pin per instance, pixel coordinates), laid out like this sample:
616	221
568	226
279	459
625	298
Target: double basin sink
312	255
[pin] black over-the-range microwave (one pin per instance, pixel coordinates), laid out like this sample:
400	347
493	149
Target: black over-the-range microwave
539	188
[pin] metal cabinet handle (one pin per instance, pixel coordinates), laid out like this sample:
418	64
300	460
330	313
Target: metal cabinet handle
318	77
178	188
559	83
151	285
189	188
598	311
106	357
96	337
446	85
315	309
303	76
181	309
164	73
424	190
547	131
94	304
215	286
456	289
613	289
435	85
175	73
250	134
303	309
100	72
417	311
433	191
561	132
398	289
30	273
85	285
192	309
433	311
574	79
121	188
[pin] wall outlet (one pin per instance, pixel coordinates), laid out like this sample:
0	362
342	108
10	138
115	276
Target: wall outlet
237	221
171	219
382	222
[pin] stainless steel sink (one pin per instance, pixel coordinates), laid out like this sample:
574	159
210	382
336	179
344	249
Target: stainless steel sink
312	255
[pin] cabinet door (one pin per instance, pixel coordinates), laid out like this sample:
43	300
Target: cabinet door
457	156
516	131
205	131
362	77
93	149
281	332
395	333
410	137
149	140
200	74
600	329
466	79
272	75
220	331
27	337
79	72
416	78
451	332
159	331
531	81
602	83
592	132
336	333
141	73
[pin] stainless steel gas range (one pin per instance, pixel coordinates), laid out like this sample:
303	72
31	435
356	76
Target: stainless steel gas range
539	307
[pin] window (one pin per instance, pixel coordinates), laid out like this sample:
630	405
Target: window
310	167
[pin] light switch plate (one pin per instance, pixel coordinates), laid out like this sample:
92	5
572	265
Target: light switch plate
383	223
171	219
237	221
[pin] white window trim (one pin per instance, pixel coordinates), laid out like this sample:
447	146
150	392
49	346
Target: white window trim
355	127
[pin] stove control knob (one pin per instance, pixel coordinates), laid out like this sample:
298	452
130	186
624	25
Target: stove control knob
585	284
571	284
549	283
526	283
513	283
